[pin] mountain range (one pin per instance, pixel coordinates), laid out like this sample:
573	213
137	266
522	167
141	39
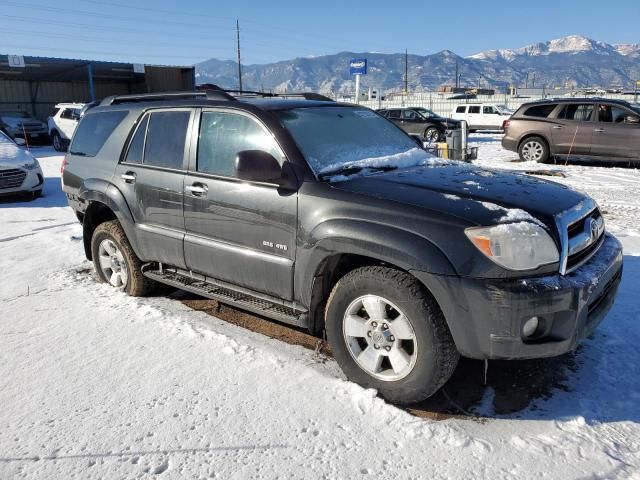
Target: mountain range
573	60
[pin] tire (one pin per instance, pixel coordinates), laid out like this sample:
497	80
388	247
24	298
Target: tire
56	140
424	354
125	271
534	149
431	135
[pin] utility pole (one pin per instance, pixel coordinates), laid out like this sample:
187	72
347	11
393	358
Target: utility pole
457	77
406	71
239	64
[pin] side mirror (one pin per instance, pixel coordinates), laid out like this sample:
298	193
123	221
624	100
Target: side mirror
20	141
632	119
258	166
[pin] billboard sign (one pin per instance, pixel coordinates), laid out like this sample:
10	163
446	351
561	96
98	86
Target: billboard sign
358	66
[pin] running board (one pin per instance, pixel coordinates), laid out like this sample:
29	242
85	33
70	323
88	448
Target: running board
209	288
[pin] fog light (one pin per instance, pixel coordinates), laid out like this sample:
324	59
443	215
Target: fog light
530	327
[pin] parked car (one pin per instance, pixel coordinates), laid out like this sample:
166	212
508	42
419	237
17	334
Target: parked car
62	123
588	128
20	124
420	121
20	172
329	217
482	116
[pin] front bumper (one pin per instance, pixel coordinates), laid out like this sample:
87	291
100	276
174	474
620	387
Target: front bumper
33	181
486	317
33	137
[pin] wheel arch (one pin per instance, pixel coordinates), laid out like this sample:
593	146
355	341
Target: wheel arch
529	135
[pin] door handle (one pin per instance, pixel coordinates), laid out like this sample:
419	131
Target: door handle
129	177
197	189
558	127
599	130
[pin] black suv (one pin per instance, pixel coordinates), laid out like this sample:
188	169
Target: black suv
329	217
421	121
586	128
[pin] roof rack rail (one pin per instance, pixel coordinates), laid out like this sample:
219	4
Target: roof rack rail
253	94
155	97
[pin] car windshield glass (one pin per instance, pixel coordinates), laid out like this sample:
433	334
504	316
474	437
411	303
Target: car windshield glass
426	113
341	139
503	109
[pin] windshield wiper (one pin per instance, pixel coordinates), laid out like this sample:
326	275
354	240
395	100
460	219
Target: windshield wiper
351	169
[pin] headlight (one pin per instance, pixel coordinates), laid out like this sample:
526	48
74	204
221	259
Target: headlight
515	246
31	165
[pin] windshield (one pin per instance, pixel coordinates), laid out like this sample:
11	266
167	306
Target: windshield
335	138
425	112
503	109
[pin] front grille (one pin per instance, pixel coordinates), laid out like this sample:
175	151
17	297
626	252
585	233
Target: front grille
585	236
30	127
12	178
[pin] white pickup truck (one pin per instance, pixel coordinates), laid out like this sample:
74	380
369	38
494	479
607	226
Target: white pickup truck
482	116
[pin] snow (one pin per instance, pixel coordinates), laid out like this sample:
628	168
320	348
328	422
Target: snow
95	384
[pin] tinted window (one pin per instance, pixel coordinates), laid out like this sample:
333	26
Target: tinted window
541	111
461	109
394	114
409	115
475	109
70	113
93	131
580	112
166	133
223	135
136	147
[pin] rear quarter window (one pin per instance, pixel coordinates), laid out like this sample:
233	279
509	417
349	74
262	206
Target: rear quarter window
93	131
461	109
540	111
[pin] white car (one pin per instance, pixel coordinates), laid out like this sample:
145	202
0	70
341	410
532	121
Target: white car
62	123
482	116
20	172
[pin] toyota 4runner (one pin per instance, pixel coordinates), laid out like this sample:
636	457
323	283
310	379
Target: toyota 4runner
328	216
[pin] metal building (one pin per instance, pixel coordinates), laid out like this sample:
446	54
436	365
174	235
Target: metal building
36	84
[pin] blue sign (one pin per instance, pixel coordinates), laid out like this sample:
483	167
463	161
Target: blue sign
358	66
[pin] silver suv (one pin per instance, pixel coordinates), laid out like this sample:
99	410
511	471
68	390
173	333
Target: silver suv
588	128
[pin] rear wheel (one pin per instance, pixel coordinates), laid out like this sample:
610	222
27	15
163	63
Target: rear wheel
534	149
387	332
115	261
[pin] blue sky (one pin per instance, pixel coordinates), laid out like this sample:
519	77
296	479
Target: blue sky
186	32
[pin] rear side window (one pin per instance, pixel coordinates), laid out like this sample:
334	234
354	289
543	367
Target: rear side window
540	111
93	132
579	112
461	109
166	136
474	109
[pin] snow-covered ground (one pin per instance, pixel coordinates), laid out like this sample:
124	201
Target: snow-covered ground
94	384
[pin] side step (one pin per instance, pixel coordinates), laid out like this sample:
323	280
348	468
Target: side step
209	288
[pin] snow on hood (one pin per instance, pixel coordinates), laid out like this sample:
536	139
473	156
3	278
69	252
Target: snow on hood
411	158
11	155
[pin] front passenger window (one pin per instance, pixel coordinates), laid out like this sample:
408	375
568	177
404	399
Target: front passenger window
223	135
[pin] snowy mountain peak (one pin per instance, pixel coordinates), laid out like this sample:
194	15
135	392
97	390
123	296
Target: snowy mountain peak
569	44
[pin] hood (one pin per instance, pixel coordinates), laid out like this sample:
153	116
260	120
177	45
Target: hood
17	122
12	156
476	195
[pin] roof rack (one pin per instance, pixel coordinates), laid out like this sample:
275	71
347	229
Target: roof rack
254	94
155	97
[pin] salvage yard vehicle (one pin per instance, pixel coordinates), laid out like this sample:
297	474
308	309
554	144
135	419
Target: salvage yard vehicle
62	123
585	128
20	124
482	116
329	217
420	121
20	172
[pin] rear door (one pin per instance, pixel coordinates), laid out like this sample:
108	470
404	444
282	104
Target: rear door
573	129
240	232
151	177
474	117
613	136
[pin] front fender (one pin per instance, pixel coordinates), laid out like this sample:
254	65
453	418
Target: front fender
401	248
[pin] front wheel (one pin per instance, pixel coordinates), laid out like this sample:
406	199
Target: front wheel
387	332
56	139
431	135
534	149
115	261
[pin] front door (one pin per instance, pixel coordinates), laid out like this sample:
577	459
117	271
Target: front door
239	232
573	130
613	135
151	178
